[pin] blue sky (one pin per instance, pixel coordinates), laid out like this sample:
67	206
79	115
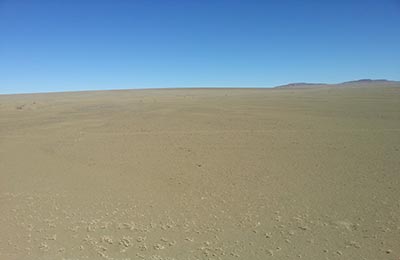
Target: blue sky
97	44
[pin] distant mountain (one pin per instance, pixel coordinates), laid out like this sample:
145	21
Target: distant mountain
302	85
368	81
354	83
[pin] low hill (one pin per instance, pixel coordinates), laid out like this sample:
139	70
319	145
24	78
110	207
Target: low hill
354	83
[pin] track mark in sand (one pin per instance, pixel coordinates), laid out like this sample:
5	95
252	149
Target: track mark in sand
126	241
129	230
189	239
143	247
140	239
353	244
346	224
129	226
107	239
44	246
222	132
158	247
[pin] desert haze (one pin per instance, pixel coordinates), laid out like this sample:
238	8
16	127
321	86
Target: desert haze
309	172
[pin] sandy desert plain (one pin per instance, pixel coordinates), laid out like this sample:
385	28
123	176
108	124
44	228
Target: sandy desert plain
185	174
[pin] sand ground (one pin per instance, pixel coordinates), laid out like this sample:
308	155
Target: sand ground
201	174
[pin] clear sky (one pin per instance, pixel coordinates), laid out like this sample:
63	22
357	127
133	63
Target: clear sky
54	45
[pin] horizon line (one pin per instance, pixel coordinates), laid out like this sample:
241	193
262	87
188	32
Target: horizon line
193	87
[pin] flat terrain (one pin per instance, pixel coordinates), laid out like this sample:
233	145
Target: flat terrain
201	174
